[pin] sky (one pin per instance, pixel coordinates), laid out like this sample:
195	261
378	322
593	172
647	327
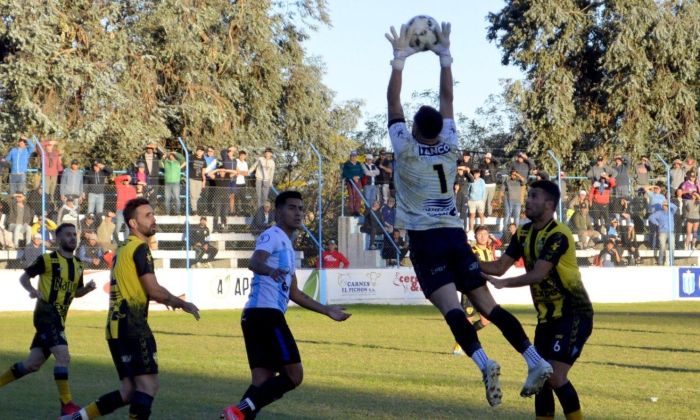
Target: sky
357	54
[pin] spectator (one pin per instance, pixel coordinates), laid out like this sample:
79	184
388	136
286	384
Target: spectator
5	235
199	240
465	161
522	165
643	172
264	168
68	213
31	251
638	208
609	257
125	192
600	199
678	174
239	188
613	230
508	234
264	218
388	250
485	244
18	161
52	167
372	225
208	192
599	168
511	194
139	174
72	183
628	240
105	231
20	220
461	189
46	228
151	158
91	253
476	198
623	182
95	181
222	180
332	258
581	224
228	162
664	225
386	170
656	198
197	169
489	170
89	225
691	209
389	214
352	172
540	174
369	181
172	169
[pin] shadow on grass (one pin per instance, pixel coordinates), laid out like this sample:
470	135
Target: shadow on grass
644	367
651	348
198	396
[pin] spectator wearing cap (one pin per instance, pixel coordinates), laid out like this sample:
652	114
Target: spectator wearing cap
489	169
581	222
628	241
609	256
332	258
522	164
89	224
264	218
643	172
664	227
385	178
18	161
152	157
197	169
33	250
94	181
53	166
511	193
72	183
677	173
91	253
369	181
623	182
69	212
264	167
600	197
172	169
352	174
599	168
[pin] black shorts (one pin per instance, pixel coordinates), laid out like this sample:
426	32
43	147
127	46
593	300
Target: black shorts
134	356
268	340
49	327
563	339
441	256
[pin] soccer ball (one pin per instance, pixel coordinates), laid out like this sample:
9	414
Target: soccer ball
424	30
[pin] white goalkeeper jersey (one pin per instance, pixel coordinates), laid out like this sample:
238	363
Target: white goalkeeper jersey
424	177
266	292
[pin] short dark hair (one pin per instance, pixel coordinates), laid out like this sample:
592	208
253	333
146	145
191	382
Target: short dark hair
64	226
548	187
242	152
428	121
131	206
282	198
480	228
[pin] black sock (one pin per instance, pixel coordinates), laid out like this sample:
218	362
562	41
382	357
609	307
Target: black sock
510	327
108	403
18	370
544	402
140	408
270	391
568	397
463	331
252	392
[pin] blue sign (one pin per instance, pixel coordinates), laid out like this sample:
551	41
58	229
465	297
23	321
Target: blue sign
689	282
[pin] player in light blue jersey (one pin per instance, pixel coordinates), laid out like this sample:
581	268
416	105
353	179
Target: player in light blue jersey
425	167
273	355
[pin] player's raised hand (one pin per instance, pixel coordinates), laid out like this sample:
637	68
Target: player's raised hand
190	308
442	47
90	286
337	313
400	42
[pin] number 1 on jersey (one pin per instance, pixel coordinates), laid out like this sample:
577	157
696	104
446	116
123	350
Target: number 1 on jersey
441	175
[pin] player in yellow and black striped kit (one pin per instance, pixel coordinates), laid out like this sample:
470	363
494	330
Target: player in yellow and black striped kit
131	342
60	280
564	311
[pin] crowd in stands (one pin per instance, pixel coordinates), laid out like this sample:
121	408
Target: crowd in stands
93	196
615	204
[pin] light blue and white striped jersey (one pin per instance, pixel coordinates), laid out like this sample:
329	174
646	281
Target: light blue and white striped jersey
265	291
424	176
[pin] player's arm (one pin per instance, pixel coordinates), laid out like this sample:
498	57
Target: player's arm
402	50
442	49
258	265
534	276
33	270
501	265
83	290
336	313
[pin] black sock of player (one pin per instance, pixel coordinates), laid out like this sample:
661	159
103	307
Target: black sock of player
510	327
568	397
270	391
544	403
251	393
108	403
140	408
463	331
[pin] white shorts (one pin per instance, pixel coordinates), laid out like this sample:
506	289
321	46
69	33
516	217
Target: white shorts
476	206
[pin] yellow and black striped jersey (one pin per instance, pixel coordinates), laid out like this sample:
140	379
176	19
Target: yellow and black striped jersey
561	292
59	278
483	254
128	301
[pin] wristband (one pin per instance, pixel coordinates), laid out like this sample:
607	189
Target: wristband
446	60
397	64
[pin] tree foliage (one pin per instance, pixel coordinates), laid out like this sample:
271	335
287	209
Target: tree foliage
603	76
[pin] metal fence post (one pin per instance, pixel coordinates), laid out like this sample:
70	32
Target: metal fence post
558	163
43	192
671	227
187	217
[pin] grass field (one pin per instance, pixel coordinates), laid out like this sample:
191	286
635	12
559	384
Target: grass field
385	362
